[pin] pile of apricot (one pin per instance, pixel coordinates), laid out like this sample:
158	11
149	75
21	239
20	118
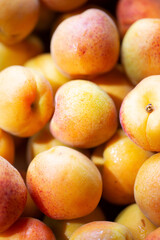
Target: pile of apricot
79	120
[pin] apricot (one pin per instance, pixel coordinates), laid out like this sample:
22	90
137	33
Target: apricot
129	11
116	84
26	101
64	183
63	229
13	194
21	52
44	64
27	229
85	116
17	19
102	230
154	235
146	189
139	114
92	48
7	146
63	5
120	162
140	48
44	140
133	218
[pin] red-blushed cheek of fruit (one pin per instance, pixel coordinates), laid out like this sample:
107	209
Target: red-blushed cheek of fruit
87	41
129	11
13	192
59	192
28	228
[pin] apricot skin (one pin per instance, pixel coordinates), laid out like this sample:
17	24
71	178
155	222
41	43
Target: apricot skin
129	11
140	49
102	230
87	49
139	124
17	19
19	53
147	189
138	224
121	160
64	183
26	101
13	194
28	228
85	116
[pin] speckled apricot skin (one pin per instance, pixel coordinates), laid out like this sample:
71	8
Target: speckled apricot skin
26	101
64	183
102	230
141	126
140	49
147	189
13	194
91	48
129	11
85	116
28	228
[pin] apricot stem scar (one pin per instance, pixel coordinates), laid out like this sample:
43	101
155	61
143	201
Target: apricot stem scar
149	108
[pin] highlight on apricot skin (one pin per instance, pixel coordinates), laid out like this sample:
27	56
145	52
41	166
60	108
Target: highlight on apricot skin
90	49
26	101
64	183
85	116
120	161
13	194
28	228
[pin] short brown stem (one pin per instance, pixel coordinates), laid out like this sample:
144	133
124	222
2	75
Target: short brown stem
149	108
